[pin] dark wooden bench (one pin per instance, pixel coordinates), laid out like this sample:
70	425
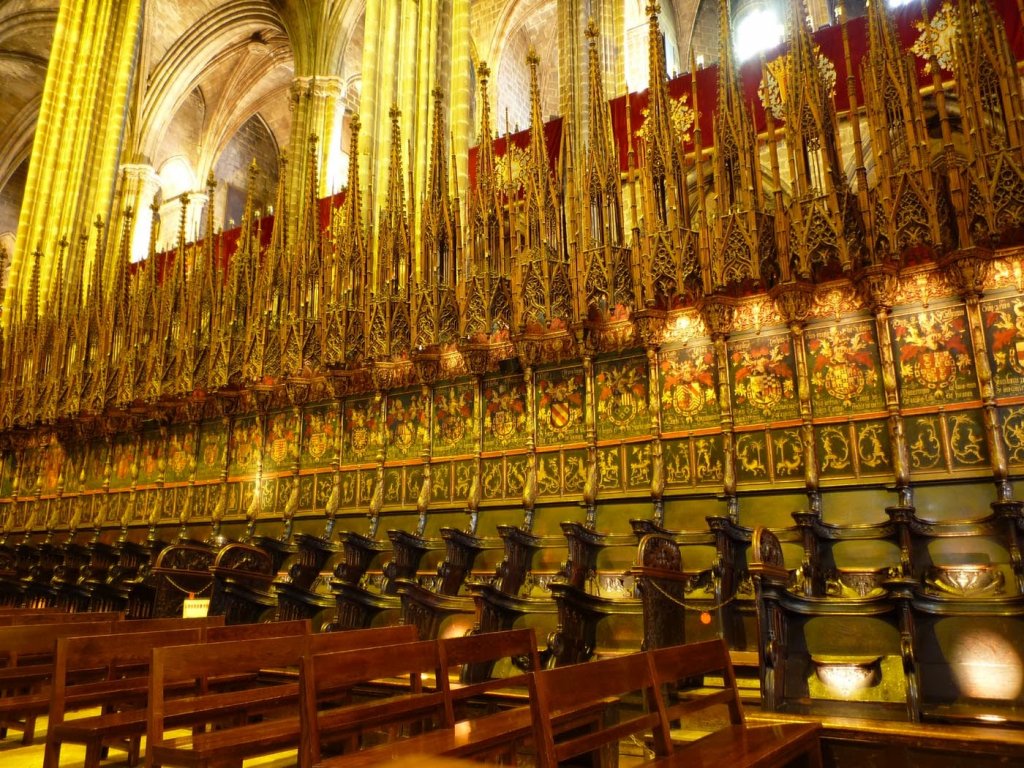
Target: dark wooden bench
228	708
29	650
491	735
331	677
109	671
53	616
670	668
475	656
736	744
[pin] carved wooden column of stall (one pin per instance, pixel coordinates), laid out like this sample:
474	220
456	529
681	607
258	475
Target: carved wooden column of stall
102	501
878	285
718	313
427	375
155	509
220	506
650	325
193	413
592	482
333	503
291	505
477	360
968	270
794	302
530	481
133	493
263	398
377	499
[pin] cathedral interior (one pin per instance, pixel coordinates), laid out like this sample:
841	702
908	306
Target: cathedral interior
637	322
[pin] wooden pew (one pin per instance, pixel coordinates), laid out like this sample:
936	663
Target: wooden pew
606	680
29	652
174	664
736	745
493	735
50	616
128	726
235	632
476	655
123	664
333	675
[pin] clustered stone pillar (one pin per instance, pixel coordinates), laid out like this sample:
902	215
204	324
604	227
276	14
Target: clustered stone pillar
75	154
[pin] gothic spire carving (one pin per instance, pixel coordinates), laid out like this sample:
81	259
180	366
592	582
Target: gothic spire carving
904	204
390	335
741	237
823	218
345	335
488	299
663	234
436	309
541	285
604	265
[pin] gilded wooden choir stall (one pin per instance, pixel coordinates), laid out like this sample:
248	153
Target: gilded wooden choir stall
708	368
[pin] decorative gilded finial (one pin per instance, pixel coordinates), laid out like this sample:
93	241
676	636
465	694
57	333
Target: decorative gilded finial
483	72
591	31
653	10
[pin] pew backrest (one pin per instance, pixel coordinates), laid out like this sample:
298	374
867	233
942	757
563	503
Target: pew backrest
234	632
613	679
332	676
39	640
110	657
58	617
474	652
678	671
177	665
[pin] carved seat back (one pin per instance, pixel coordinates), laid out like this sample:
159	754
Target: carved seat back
512	571
242	575
180	570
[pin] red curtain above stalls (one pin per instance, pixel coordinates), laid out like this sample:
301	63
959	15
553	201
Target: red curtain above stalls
226	241
521	140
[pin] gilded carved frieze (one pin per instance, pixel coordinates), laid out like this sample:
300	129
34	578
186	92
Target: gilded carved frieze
694	462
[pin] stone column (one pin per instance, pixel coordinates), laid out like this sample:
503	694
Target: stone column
139	186
317	109
76	150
